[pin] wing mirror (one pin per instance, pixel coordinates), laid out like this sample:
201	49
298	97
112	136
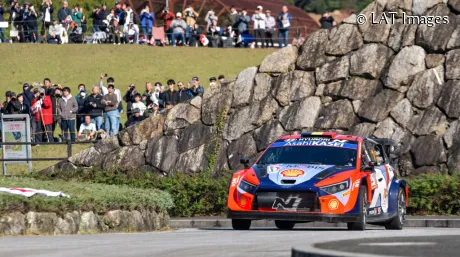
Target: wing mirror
245	162
370	166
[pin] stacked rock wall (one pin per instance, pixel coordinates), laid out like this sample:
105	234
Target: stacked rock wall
395	81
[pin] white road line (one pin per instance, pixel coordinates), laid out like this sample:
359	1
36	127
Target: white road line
399	244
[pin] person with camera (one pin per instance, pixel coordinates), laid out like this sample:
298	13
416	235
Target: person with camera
259	20
42	110
2	18
147	19
55	98
76	15
270	30
151	96
232	19
25	21
129	98
167	18
6	102
16	15
178	27
13	106
243	26
33	24
131	31
196	89
97	19
46	16
211	19
95	107
82	107
68	108
284	24
190	19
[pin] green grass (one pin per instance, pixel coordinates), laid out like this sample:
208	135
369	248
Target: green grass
84	196
71	65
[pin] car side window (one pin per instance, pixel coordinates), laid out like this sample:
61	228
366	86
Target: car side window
369	152
380	154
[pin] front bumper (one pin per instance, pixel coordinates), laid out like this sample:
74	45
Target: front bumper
292	216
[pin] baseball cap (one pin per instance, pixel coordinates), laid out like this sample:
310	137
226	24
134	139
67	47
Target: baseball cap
136	110
132	85
117	3
82	90
212	79
26	85
178	14
221	77
260	7
195	78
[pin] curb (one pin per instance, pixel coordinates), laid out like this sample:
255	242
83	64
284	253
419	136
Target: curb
209	223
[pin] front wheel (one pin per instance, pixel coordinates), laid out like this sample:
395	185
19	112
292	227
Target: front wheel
241	224
361	223
397	222
284	225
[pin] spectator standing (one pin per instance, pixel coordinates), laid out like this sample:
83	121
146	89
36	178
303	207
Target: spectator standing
55	98
243	22
178	29
167	18
6	102
2	18
270	29
129	99
68	107
82	107
158	91
150	95
147	18
43	112
87	130
16	11
46	16
23	108
80	87
105	91
97	19
110	18
129	15
33	24
122	16
232	19
327	21
37	122
65	15
47	86
284	24
27	94
77	15
103	17
190	19
111	111
95	107
84	25
138	104
54	33
170	97
197	89
211	19
259	26
195	34
182	95
13	106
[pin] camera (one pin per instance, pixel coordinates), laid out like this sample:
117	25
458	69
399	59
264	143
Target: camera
42	94
105	75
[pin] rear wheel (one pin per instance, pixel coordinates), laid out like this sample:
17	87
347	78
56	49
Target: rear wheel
361	223
397	222
284	225
241	224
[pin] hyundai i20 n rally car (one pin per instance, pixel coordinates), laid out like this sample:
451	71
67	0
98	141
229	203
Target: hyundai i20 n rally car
320	177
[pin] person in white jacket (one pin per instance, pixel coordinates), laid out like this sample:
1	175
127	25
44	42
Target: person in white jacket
139	104
259	20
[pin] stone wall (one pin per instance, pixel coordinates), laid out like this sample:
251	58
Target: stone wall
387	81
49	223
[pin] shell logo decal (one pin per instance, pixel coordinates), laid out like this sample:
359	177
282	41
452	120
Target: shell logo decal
292	173
333	204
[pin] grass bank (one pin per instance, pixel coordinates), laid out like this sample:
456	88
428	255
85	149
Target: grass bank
84	196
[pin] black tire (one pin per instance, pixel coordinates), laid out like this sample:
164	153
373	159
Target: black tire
361	223
241	224
284	225
397	222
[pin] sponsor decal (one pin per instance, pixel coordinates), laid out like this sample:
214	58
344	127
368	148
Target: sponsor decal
346	193
333	204
273	169
374	183
290	204
292	173
356	184
374	211
235	181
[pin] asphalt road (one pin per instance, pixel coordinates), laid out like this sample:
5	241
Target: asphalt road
193	242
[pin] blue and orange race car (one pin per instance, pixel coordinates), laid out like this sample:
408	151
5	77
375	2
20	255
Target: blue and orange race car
320	176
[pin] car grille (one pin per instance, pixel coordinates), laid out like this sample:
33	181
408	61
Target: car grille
288	201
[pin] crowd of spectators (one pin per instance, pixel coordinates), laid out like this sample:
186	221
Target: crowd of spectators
95	112
120	25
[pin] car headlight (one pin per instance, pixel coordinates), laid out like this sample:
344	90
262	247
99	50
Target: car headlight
339	187
246	186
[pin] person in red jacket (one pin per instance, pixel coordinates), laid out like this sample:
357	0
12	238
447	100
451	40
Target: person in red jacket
167	18
42	110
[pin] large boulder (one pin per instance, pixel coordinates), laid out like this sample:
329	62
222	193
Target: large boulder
12	224
88	158
192	161
244	84
162	153
193	136
453	162
293	86
334	70
40	223
398	5
428	151
435	38
419	7
449	101
407	63
453	134
181	116
455	4
344	39
221	162
390	129
262	88
363	129
243	147
125	159
402	35
454	41
89	223
313	51
301	114
426	87
107	145
370	60
358	88
268	133
402	113
378	107
264	111
239	122
280	61
434	60
215	102
150	128
377	33
68	224
337	115
452	67
429	121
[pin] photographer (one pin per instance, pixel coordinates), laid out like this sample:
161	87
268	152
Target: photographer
43	113
16	11
33	24
46	16
55	98
167	18
25	22
27	94
7	101
65	15
95	107
259	20
190	16
211	18
147	18
97	19
243	23
129	98
178	29
2	18
13	105
76	15
195	34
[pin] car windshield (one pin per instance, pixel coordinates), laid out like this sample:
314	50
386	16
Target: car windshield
307	154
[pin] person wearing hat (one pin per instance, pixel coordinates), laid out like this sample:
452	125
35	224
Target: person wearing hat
213	83
110	101
55	98
135	118
196	89
13	106
42	109
178	27
221	79
68	108
129	98
259	20
54	33
270	29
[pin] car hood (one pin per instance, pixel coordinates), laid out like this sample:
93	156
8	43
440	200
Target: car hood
293	176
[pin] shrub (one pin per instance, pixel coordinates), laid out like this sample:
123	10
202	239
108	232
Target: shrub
434	194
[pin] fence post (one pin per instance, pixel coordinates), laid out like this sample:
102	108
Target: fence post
69	148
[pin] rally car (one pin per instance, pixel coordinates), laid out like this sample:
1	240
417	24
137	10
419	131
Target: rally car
320	176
